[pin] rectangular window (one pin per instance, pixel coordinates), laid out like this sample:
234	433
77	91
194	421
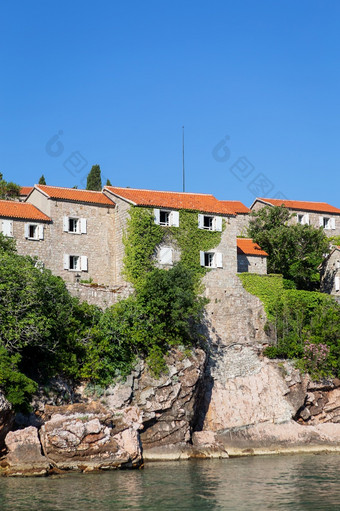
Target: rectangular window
209	222
164	217
300	219
73	225
33	231
208	259
74	263
211	259
326	222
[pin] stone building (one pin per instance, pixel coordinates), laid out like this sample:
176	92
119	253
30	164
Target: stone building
30	227
242	215
250	257
81	233
330	273
317	214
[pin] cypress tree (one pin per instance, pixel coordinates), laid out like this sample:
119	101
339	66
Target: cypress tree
42	180
108	182
94	179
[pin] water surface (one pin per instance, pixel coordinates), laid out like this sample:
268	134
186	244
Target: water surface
294	482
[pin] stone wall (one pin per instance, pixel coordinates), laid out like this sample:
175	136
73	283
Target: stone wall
242	220
40	248
252	264
101	296
331	270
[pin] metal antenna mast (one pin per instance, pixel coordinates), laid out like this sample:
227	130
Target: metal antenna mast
183	171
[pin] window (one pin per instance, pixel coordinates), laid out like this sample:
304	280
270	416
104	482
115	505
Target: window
75	225
34	231
327	222
210	222
303	219
166	217
337	283
7	228
165	256
211	259
75	262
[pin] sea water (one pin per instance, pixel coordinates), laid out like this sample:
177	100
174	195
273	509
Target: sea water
292	482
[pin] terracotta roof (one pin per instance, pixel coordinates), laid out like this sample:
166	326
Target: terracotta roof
173	200
248	247
320	207
25	190
75	195
236	206
24	210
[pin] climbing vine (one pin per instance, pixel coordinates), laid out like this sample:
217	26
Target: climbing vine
143	236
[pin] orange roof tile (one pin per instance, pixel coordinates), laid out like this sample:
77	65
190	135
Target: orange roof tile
25	190
320	207
236	206
75	195
173	200
23	210
248	247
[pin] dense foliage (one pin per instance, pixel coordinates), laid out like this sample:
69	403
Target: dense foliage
304	325
94	179
45	331
295	251
42	180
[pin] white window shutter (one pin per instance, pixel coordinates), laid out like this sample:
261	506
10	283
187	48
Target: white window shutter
83	226
7	228
156	212
174	218
321	221
218	259
333	223
83	263
66	262
218	223
165	255
200	221
337	283
26	230
65	223
201	258
307	219
41	232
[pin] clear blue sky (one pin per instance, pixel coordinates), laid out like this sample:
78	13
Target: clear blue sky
118	80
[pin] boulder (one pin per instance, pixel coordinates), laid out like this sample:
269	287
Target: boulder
24	455
90	437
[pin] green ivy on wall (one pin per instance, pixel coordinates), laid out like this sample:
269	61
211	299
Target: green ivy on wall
143	236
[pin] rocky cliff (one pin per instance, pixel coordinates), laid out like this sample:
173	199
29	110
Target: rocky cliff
227	400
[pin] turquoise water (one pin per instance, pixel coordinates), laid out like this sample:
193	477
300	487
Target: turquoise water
299	482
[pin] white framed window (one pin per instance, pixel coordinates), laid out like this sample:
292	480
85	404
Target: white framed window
75	262
7	228
34	231
302	218
75	225
327	222
166	217
210	222
211	259
165	256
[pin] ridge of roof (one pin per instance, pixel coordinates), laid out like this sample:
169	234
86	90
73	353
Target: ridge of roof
240	207
321	207
23	210
173	200
75	194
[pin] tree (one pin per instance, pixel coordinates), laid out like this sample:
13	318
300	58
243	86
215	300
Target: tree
8	190
42	180
94	180
108	182
295	251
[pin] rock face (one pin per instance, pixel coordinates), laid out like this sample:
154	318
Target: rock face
6	419
24	453
89	437
167	404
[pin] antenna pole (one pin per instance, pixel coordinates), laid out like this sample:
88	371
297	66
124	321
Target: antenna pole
183	172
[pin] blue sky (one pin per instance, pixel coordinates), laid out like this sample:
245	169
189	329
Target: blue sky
255	83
